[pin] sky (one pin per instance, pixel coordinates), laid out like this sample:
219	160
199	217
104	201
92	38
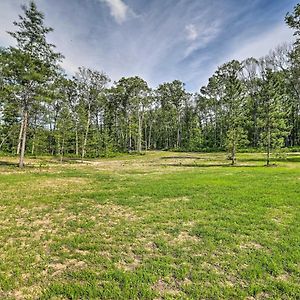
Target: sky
158	40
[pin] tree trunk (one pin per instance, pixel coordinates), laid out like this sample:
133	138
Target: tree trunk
167	139
130	140
86	135
33	145
62	150
150	133
268	147
76	141
233	151
20	136
178	142
145	135
139	139
3	140
23	142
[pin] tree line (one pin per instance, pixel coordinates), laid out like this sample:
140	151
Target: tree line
252	103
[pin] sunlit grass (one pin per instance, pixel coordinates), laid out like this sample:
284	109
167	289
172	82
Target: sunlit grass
158	226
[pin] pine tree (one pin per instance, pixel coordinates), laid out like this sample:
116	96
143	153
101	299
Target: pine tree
272	120
32	64
293	21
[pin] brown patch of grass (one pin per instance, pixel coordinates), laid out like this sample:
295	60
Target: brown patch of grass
164	288
129	265
184	237
283	277
59	267
116	212
251	245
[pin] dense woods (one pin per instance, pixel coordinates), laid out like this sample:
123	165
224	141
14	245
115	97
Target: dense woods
254	103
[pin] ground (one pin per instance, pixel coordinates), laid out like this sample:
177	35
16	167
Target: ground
158	226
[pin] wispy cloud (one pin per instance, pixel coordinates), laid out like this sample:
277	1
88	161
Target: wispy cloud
191	32
118	10
171	39
201	36
260	45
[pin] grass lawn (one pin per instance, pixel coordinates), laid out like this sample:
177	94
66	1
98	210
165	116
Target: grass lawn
159	226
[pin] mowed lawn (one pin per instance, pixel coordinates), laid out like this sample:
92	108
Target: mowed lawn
159	226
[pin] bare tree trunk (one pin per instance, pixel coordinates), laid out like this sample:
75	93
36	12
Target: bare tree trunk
145	135
268	147
150	133
86	135
167	139
34	135
62	150
130	141
23	143
76	141
3	140
20	136
178	142
233	151
139	139
33	145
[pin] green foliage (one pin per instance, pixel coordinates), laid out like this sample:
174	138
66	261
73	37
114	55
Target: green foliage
49	114
272	119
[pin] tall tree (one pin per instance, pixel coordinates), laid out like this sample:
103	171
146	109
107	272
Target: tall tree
31	65
293	21
131	100
272	116
172	96
90	85
234	106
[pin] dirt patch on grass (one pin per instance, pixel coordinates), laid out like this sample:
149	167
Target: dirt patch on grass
62	182
251	245
114	213
24	293
59	267
283	277
164	288
131	265
280	215
185	237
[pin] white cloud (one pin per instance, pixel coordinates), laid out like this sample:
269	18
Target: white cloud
191	32
252	46
201	36
118	10
260	45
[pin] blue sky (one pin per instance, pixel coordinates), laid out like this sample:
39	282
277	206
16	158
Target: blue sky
159	40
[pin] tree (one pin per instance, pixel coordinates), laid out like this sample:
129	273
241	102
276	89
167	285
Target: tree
272	120
172	96
234	106
129	98
30	68
210	108
293	21
90	87
222	106
251	78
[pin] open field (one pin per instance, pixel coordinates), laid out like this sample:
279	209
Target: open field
159	226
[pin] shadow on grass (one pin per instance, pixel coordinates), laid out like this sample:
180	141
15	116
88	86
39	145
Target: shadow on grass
273	160
211	165
7	163
181	157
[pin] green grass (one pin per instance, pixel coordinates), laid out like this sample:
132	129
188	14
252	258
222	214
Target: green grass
159	226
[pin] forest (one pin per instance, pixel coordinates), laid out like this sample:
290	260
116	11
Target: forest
250	104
